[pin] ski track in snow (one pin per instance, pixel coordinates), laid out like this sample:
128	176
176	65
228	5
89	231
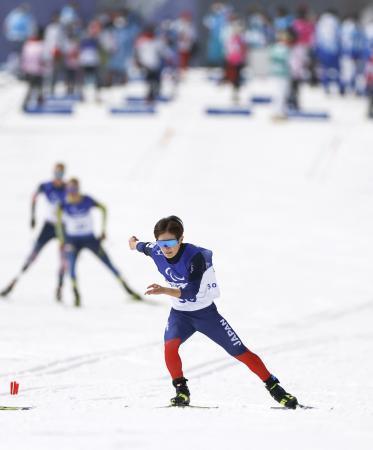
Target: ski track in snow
79	360
74	362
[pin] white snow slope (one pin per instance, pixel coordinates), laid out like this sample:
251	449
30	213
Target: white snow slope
287	209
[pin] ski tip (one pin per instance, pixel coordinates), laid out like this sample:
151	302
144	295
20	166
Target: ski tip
299	406
305	406
16	408
188	406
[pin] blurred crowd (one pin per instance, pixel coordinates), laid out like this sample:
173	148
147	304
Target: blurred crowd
293	47
104	51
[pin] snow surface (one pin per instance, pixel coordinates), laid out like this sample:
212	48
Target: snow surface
287	209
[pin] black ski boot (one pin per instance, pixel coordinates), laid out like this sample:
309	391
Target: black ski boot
76	297
279	393
182	397
135	296
8	289
129	291
59	293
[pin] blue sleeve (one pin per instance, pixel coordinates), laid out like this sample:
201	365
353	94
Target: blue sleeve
196	270
91	202
145	247
41	188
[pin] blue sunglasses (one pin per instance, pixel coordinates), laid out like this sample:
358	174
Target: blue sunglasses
168	243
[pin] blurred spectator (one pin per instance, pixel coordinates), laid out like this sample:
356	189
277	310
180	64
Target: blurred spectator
54	46
171	59
298	64
123	35
108	47
367	30
301	36
89	57
72	63
168	34
186	38
121	51
33	68
69	16
280	71
367	24
349	52
327	49
234	54
215	23
304	27
258	36
369	84
19	25
149	51
283	19
259	32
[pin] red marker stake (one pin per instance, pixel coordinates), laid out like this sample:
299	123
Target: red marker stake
14	386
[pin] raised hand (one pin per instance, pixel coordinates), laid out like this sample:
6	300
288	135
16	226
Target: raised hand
132	241
155	289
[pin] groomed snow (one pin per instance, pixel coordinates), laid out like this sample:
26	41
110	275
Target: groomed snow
287	209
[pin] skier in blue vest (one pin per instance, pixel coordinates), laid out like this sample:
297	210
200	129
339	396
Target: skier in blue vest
189	271
54	193
76	232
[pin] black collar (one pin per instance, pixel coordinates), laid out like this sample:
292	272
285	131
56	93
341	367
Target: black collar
175	259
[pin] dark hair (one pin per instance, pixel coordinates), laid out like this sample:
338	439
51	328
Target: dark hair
170	224
292	35
74	181
302	11
39	33
282	11
149	30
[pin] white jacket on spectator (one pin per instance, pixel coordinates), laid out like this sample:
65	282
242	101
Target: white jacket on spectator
54	40
149	52
186	34
32	58
327	33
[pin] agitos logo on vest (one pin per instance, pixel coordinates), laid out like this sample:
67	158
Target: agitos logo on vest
173	276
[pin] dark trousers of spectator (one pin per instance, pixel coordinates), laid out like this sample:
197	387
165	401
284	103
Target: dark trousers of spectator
34	90
184	59
153	79
73	81
370	102
330	75
233	74
58	71
92	74
114	77
293	100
